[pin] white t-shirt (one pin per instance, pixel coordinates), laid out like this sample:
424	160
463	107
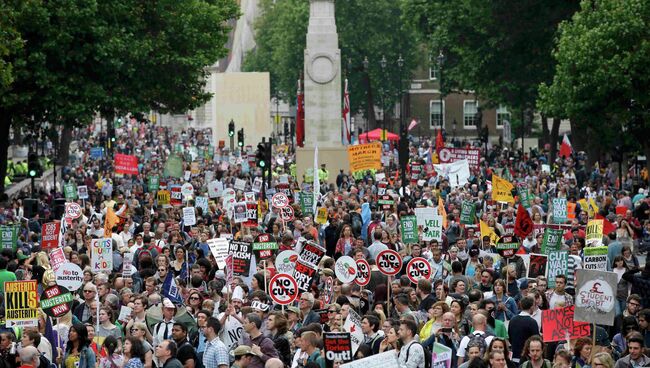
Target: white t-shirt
463	343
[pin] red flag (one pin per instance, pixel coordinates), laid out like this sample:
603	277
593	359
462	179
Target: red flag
523	223
565	147
346	115
300	117
440	143
608	227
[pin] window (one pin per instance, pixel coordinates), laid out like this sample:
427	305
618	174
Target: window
437	119
434	71
502	115
470	112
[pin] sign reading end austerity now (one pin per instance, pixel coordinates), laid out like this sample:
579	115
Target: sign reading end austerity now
365	156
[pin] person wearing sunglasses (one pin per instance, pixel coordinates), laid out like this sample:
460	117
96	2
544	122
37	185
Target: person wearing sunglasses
83	312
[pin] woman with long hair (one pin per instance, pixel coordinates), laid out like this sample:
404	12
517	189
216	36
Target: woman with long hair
346	241
194	301
434	323
179	265
78	353
114	358
133	353
458	309
277	326
506	307
106	325
500	345
603	360
391	340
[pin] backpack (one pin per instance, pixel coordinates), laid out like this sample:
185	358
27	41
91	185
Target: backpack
479	339
142	252
427	354
357	224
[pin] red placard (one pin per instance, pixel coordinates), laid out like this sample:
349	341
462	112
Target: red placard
176	197
126	164
363	272
50	235
418	268
559	322
283	289
389	262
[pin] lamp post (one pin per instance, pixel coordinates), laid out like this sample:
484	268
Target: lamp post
365	69
383	62
403	141
441	60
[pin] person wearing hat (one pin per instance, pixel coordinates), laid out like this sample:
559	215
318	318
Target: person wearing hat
243	356
163	330
293	319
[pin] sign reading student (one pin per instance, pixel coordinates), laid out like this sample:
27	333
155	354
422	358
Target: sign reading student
595	296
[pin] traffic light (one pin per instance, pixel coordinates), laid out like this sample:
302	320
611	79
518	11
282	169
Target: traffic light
111	134
260	156
33	166
240	137
231	129
269	154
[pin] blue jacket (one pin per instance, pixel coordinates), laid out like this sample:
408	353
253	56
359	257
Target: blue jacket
86	358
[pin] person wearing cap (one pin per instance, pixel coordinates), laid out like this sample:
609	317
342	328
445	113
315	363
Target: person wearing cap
166	355
243	356
163	330
293	319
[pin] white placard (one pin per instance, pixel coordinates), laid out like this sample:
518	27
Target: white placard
189	216
240	184
219	249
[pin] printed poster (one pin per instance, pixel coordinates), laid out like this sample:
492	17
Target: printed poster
101	255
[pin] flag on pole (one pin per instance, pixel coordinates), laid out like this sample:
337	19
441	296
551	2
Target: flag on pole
316	180
300	117
170	289
346	116
440	143
565	147
412	125
110	221
523	222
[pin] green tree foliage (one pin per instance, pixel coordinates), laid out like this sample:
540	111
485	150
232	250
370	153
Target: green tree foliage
602	79
366	28
10	43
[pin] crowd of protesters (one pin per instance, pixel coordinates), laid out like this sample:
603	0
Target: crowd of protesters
485	310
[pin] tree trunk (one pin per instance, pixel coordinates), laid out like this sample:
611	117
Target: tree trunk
5	123
646	152
64	145
545	131
555	131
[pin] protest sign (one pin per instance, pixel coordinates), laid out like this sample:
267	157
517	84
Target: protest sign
202	203
507	246
57	258
101	254
285	261
338	347
50	235
449	154
251	214
386	359
441	356
279	200
286	214
304	274
240	184
365	157
425	213
552	240
215	189
486	230
96	153
56	301
72	210
187	190
283	289
433	229
21	303
468	213
502	190
219	249
125	313
386	202
389	262
594	232
418	268
345	269
595	297
241	252
558	262
306	202
125	164
70	191
363	272
164	198
409	227
127	265
321	216
9	236
559	322
265	246
69	275
560	211
176	197
456	172
257	185
82	192
240	212
353	326
311	252
153	183
537	265
189	216
174	167
595	258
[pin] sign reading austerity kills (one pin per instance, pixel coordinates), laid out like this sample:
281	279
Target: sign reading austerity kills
21	303
365	156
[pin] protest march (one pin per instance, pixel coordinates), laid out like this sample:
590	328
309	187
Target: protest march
171	250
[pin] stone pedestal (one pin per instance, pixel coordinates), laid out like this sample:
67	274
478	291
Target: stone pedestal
334	158
322	78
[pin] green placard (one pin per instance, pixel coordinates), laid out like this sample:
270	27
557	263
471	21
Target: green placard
552	240
307	203
409	226
9	237
174	167
70	191
524	197
468	213
557	264
154	183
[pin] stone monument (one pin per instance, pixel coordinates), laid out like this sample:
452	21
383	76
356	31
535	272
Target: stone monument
322	92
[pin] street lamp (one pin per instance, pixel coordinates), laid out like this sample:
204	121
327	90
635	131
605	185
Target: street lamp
441	61
454	127
403	142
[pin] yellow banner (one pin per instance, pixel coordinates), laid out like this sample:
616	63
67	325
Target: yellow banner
321	216
488	231
164	197
21	303
502	190
365	157
594	232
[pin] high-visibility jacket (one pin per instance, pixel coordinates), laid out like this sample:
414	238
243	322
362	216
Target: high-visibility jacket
323	175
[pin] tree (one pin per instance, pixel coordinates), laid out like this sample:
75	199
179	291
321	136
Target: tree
366	28
500	49
10	43
602	76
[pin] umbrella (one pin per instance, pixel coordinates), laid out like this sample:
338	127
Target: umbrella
154	315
